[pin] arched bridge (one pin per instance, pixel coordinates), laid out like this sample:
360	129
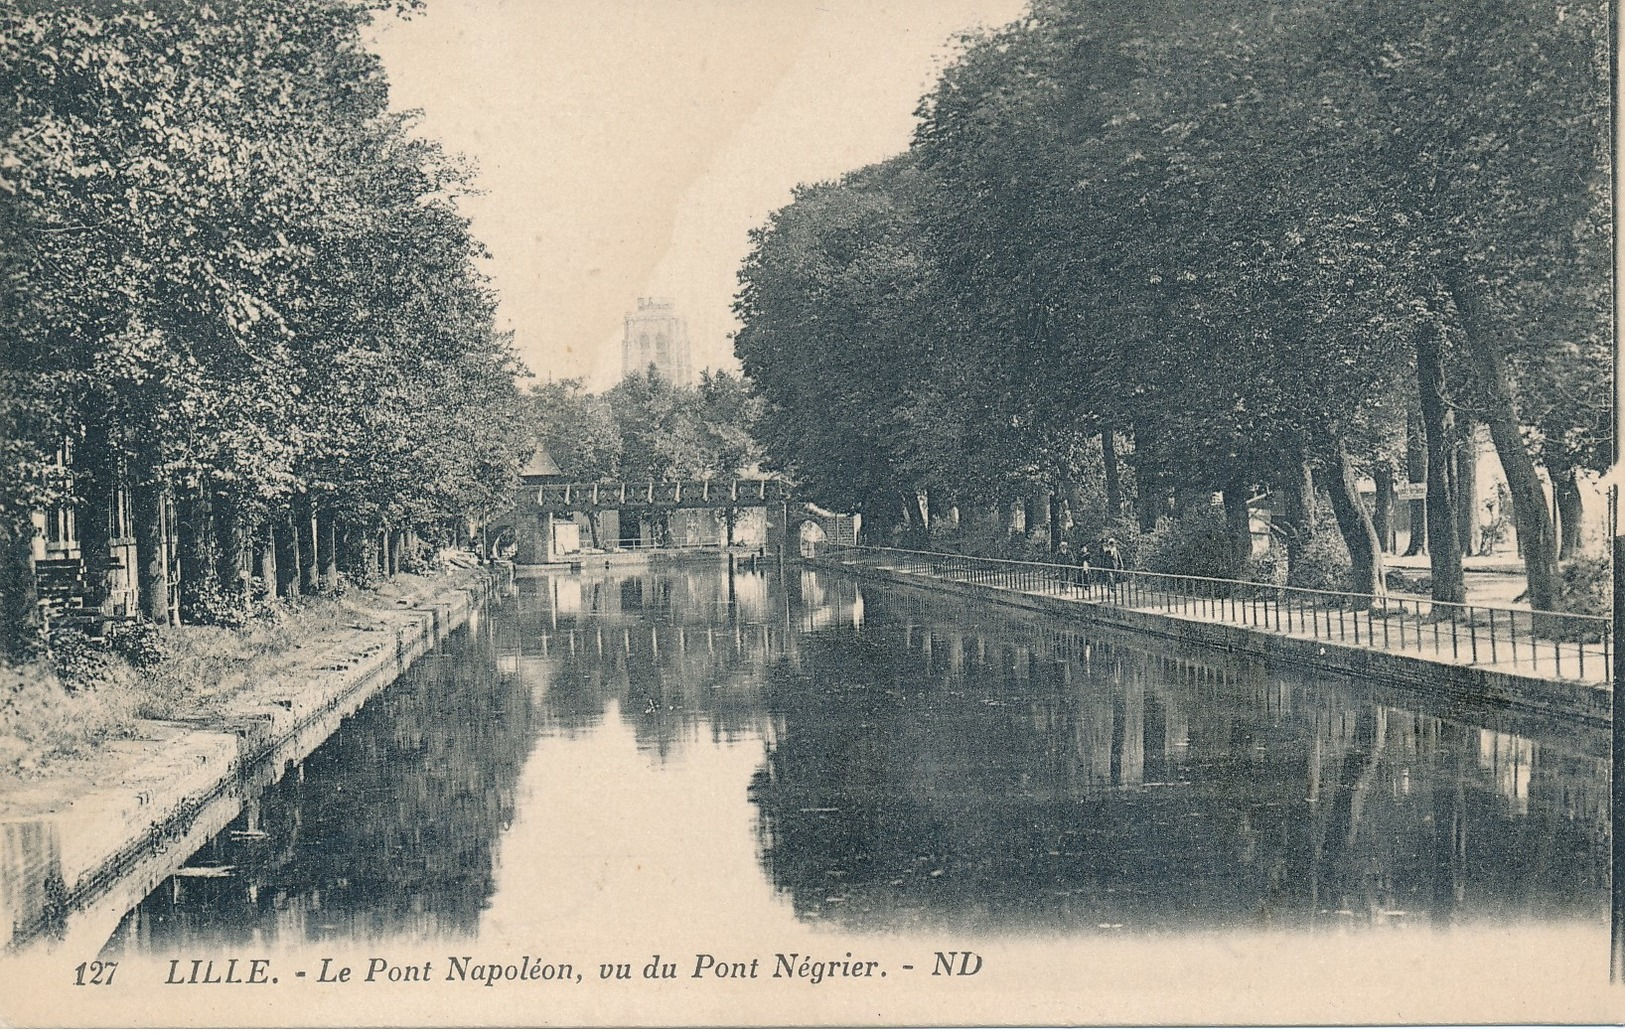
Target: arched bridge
799	527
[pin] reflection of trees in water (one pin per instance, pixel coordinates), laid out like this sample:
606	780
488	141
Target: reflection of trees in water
681	651
1028	775
389	828
667	687
933	764
664	594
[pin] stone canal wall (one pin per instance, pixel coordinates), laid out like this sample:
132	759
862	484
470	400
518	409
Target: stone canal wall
1444	681
75	858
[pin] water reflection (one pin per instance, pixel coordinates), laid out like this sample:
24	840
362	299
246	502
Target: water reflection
794	750
1003	777
389	829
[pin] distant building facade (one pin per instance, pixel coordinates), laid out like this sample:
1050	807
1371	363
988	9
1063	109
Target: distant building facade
657	335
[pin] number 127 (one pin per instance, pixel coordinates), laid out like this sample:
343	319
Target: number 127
100	973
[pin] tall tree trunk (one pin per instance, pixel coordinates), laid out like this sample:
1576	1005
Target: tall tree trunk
95	476
270	575
232	545
287	557
376	559
1467	488
19	592
1029	514
1238	522
1152	501
1066	502
304	528
344	553
152	554
357	557
1416	470
1114	479
1298	516
199	558
1359	533
1382	505
1438	426
1570	508
1536	534
327	550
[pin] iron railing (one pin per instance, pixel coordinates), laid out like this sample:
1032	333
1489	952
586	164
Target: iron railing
1536	642
639	546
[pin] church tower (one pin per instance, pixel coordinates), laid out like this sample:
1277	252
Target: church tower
656	334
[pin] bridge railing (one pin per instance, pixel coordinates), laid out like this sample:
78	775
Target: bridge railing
1544	643
715	493
628	545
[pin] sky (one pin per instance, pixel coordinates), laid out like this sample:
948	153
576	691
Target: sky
627	147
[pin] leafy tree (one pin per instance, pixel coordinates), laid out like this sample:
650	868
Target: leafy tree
578	429
1227	238
241	286
830	302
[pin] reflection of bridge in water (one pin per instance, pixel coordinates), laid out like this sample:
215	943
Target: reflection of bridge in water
669	613
740	640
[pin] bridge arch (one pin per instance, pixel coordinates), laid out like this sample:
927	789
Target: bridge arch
796	526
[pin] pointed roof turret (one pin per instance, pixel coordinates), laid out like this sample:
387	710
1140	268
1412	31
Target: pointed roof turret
541	468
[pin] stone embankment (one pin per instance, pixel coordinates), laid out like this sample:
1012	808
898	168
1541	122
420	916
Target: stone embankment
1450	681
80	847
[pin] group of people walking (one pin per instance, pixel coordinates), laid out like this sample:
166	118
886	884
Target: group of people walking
1107	571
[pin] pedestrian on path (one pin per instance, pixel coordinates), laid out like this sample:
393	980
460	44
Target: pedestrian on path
1111	561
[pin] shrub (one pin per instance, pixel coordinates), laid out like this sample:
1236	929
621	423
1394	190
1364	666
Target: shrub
1324	563
42	717
364	579
140	643
1588	586
1268	567
212	604
1197	543
334	588
77	660
1407	582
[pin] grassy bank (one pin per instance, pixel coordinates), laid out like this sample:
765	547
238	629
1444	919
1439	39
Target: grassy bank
68	705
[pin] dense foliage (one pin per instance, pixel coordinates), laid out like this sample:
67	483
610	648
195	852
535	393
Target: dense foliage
236	285
1173	248
647	427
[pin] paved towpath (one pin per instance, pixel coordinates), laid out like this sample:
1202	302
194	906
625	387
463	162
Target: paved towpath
1495	637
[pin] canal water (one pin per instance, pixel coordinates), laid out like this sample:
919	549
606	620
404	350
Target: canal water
691	763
